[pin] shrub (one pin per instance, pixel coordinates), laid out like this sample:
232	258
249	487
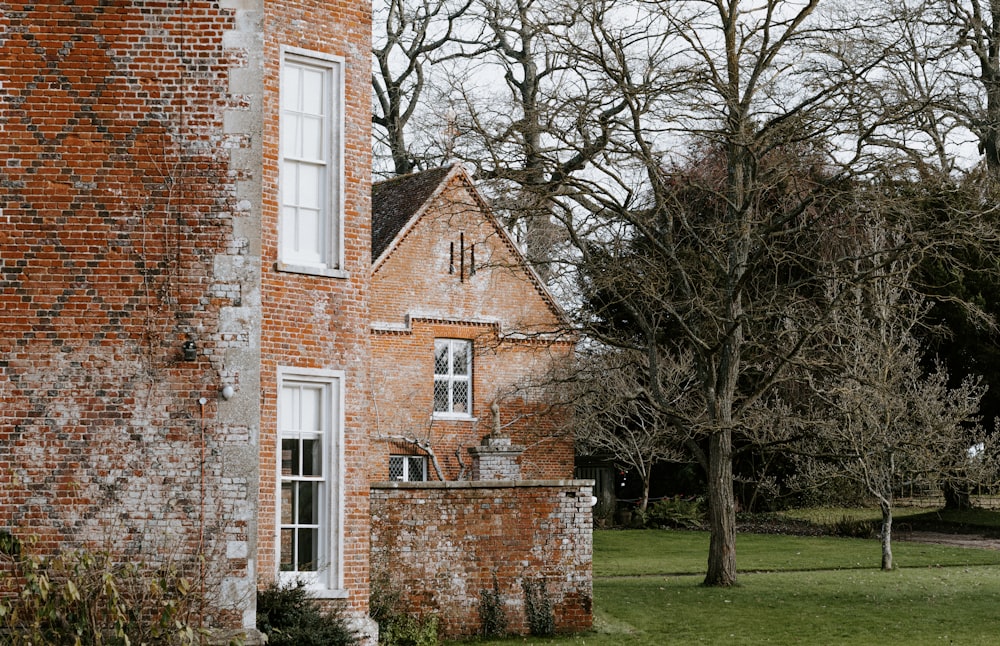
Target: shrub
855	528
290	617
538	608
396	627
492	618
408	630
87	598
675	513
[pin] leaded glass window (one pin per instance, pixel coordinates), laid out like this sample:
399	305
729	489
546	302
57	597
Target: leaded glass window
407	468
453	376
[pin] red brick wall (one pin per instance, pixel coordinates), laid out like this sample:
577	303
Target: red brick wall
416	298
402	382
442	544
138	151
117	201
314	321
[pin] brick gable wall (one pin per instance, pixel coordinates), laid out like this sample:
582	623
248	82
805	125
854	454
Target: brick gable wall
419	293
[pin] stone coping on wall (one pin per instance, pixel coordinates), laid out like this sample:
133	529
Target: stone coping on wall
481	484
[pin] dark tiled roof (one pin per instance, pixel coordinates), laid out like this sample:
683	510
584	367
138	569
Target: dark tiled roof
395	201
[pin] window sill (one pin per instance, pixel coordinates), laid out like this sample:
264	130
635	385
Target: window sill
454	417
311	270
316	590
327	593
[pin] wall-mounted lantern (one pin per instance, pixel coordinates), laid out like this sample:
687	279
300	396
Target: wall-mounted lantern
190	351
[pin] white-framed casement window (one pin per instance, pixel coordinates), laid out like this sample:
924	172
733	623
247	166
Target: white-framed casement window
407	468
452	378
311	164
309	474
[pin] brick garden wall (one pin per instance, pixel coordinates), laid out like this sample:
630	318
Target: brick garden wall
441	544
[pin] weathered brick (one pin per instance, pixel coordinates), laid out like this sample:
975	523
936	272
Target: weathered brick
138	213
422	290
432	543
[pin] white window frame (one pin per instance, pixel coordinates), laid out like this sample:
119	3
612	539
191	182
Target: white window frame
327	580
331	252
408	476
451	378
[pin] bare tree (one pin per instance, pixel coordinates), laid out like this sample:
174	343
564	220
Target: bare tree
917	76
410	33
536	122
615	416
938	69
735	236
942	63
977	23
891	423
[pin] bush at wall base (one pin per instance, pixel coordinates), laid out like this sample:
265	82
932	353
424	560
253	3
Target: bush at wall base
90	597
290	617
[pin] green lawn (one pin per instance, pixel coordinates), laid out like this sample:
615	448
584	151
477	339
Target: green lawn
793	590
664	552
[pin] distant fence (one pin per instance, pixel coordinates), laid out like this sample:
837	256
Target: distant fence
936	501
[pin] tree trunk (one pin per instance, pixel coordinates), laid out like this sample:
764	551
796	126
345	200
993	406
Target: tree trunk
990	134
886	535
721	511
956	496
644	503
989	61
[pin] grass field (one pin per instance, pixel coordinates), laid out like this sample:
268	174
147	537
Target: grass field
793	590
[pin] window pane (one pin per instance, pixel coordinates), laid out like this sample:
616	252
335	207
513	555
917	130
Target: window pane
308	503
291	136
287	550
287	502
307	559
312	91
460	358
441	358
312	139
311	415
308	236
290	184
416	469
396	466
287	407
289	457
312	458
310	187
441	396
290	87
460	397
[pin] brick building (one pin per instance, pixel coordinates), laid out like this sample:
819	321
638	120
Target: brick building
184	269
463	332
186	303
